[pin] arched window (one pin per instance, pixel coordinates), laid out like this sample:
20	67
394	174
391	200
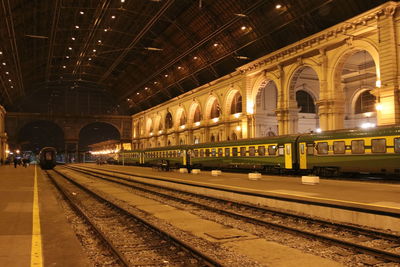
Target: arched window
236	106
181	142
168	121
215	110
196	140
197	115
234	136
182	119
212	138
305	102
365	103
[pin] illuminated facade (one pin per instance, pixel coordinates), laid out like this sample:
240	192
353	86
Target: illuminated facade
343	77
3	135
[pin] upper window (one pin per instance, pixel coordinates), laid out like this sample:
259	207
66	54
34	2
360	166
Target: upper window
271	150
365	103
261	150
243	151
378	145
227	152
197	115
215	110
305	102
357	147
234	151
252	151
236	106
168	121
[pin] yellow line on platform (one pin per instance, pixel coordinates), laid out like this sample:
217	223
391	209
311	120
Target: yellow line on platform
36	251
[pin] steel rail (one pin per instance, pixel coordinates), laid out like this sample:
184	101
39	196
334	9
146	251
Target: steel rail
364	249
99	232
208	261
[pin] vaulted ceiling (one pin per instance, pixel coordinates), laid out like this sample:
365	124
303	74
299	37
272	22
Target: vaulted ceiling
124	56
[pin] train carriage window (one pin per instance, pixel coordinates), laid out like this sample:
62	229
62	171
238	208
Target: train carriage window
174	154
272	150
310	149
378	145
322	148
227	152
179	153
357	147
243	151
339	147
207	152
234	151
196	153
202	153
219	152
252	151
261	150
397	145
213	152
281	151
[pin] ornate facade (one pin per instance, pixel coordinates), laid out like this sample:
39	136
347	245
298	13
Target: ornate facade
343	77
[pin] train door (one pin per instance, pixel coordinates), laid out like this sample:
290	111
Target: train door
288	156
303	155
141	157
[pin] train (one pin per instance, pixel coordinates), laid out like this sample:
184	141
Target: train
47	158
329	154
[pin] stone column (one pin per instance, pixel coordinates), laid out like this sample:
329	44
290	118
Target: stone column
388	95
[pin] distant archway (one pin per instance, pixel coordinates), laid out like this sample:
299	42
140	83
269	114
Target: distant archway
95	133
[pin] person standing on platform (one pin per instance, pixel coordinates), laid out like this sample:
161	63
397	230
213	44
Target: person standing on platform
1	162
15	162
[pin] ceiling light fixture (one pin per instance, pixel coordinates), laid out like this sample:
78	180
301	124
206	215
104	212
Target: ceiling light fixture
105	30
7	72
64	67
76	27
122	1
73	38
113	17
81	12
66	56
99	41
9	80
195	57
146	88
215	45
1	52
278	6
240	15
166	75
179	67
155	82
153	48
4	63
70	48
90	58
94	50
243	28
138	93
12	86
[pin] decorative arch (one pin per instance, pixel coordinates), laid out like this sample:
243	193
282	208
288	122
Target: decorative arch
192	111
230	98
209	106
168	121
157	123
295	73
180	117
356	96
149	126
345	52
262	80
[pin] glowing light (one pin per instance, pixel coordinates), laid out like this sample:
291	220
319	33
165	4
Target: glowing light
94	50
4	63
367	125
379	106
237	115
17	151
146	88
318	130
166	75
138	93
64	67
7	151
151	134
105	30
113	17
238	128
243	28
66	56
179	67
1	52
69	48
160	131
215	119
278	6
378	83
73	38
368	114
195	57
197	123
183	126
90	58
215	45
81	12
76	27
99	41
7	72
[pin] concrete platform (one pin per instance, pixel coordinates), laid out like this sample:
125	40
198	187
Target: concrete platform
59	245
369	204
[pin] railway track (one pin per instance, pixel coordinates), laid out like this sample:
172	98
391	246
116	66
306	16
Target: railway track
133	240
381	245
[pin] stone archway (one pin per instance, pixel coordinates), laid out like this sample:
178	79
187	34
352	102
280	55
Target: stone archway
264	109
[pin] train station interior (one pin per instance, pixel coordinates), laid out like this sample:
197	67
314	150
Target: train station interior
285	104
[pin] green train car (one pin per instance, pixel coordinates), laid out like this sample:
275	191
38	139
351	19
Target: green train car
130	157
374	150
331	153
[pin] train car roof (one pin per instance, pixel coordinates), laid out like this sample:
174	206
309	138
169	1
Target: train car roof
352	133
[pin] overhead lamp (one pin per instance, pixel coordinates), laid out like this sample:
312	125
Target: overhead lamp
73	38
9	80
318	130
160	131
197	123
242	57
66	56
183	126
215	119
166	75
94	50
81	12
179	67
367	125
7	72
89	58
146	88
153	48
105	30
215	45
76	27
1	52
64	67
12	86
240	15
155	82
138	93
99	41
4	63
278	6
70	48
113	17
122	1
237	115
243	28
238	128
195	57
